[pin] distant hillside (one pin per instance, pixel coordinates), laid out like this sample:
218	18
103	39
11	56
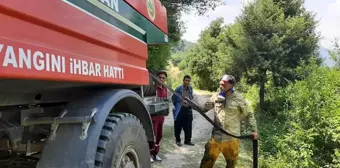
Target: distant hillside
327	58
180	52
182	46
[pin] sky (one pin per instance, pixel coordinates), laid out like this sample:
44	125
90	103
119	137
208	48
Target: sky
327	13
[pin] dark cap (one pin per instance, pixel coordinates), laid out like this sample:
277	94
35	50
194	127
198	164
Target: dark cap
162	72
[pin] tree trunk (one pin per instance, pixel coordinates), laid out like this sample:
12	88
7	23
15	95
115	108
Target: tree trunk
262	89
261	94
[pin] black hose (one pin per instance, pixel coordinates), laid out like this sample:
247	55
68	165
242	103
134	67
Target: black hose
255	153
199	110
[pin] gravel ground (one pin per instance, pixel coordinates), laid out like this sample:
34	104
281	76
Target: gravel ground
190	156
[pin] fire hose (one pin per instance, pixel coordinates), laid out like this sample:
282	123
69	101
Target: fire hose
199	110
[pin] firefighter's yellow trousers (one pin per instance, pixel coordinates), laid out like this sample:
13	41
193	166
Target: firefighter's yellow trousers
213	149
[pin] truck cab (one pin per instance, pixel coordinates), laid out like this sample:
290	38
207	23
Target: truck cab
74	87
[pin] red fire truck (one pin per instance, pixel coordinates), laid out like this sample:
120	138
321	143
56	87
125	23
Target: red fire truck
74	88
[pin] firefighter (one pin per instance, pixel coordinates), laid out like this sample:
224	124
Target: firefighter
230	108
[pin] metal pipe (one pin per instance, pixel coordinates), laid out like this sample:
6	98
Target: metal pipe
57	120
142	91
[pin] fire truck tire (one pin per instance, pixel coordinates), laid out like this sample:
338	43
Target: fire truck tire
122	143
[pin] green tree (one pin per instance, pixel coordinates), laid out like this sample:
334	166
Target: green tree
335	53
290	7
203	58
230	52
159	55
274	38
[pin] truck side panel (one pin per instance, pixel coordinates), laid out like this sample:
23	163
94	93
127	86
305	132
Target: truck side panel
39	42
153	10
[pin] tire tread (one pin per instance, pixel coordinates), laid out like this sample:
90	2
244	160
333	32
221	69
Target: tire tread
112	121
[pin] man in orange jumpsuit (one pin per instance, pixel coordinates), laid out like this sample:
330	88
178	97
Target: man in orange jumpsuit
230	108
158	120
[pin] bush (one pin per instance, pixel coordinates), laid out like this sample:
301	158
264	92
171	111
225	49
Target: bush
175	76
305	130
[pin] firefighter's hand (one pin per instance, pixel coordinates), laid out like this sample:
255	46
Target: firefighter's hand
209	105
255	136
186	99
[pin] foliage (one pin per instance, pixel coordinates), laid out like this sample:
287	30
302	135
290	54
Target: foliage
275	38
177	58
202	59
335	54
177	67
268	40
202	6
176	75
159	55
180	52
310	136
229	58
249	92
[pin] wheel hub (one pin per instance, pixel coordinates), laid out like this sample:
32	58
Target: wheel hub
129	158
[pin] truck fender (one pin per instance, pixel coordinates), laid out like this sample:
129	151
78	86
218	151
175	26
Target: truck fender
67	149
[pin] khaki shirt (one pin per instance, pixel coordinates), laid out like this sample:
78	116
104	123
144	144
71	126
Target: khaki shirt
229	114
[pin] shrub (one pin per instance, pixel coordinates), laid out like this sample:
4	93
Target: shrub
308	127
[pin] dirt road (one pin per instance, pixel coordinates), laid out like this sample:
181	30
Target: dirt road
190	156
